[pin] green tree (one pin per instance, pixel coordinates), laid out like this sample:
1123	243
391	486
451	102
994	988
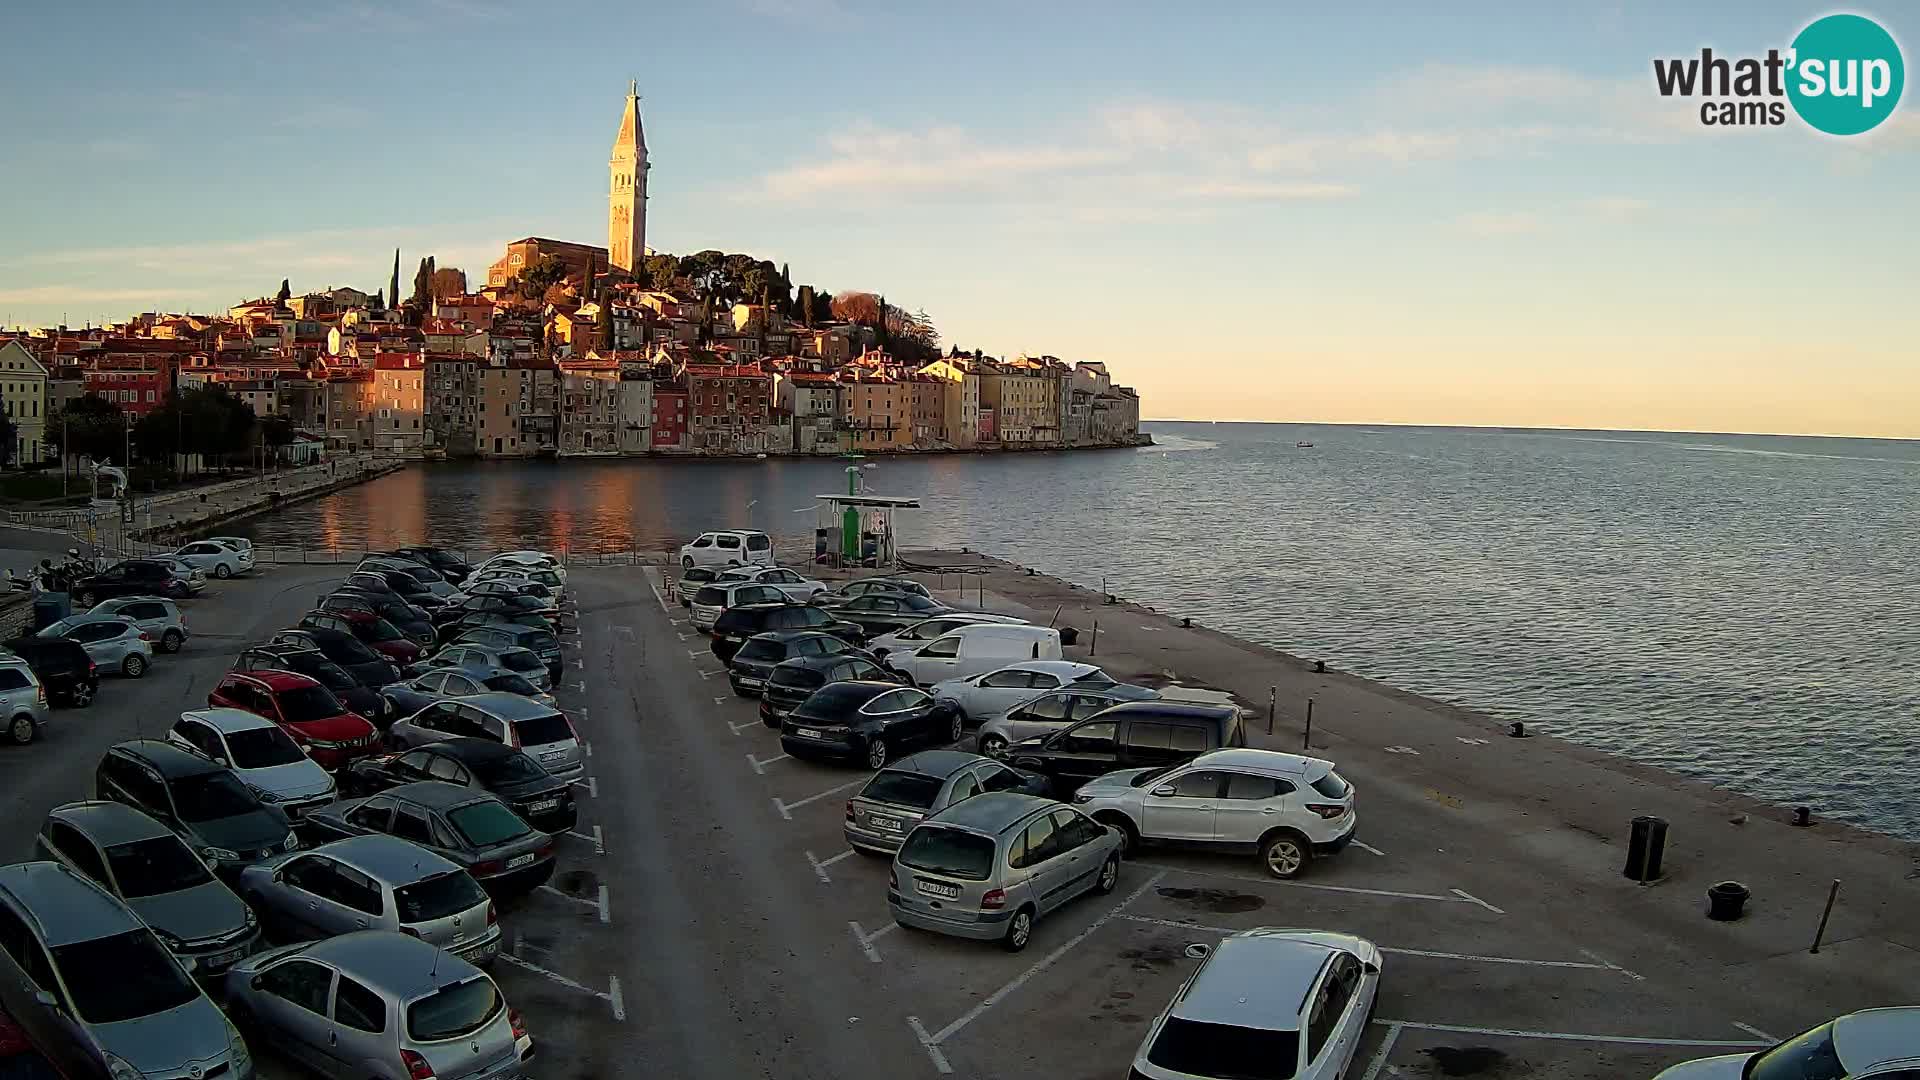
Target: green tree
9	439
661	271
205	420
89	426
285	293
423	284
544	274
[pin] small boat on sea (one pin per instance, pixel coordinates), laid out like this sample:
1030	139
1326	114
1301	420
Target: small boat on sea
1303	445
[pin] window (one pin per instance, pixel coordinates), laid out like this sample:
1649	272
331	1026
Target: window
372	814
1189	738
1332	786
141	785
155	866
1198	785
1075	829
1092	738
358	1007
1048	707
1036	845
447	769
1257	788
454	1011
948	852
943	647
1146	735
302	982
412	825
1085	705
12	678
78	850
487	823
1808	1056
1331	1003
965	788
1007	679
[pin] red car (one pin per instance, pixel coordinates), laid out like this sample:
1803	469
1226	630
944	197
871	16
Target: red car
330	733
379	635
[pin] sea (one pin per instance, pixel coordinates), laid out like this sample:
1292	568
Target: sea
1742	609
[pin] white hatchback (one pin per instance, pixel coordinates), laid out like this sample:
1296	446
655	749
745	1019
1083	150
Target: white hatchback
1287	808
216	559
798	589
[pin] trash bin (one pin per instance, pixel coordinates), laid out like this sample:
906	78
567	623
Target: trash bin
1646	843
50	608
1069	635
1725	900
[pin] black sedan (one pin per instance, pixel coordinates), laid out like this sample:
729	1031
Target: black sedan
519	781
884	613
451	566
793	681
736	624
135	577
867	721
750	666
367	667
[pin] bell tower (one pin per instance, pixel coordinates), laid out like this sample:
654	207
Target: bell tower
627	188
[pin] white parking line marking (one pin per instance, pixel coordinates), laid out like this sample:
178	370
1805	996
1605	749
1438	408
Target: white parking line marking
585	747
866	940
761	766
1380	1056
820	866
1626	1040
611	995
606	917
1327	888
664	609
568	896
581	664
1467	957
679	635
614	998
1364	846
592	786
694	654
786	808
1020	980
926	1043
1606	963
598	840
743	725
1472	899
1402	750
711	674
1751	1030
719	701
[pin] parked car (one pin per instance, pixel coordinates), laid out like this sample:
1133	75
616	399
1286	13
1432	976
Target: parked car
885	613
449	564
545	801
143	864
23	701
19	1060
98	993
435	584
402	585
473	828
493	603
304	709
691	578
184	572
374	882
866	721
467	654
991	866
990	694
409	620
368	668
512	586
873	586
237	543
260	753
311	662
216	559
539	575
134	577
792	682
112	642
63	667
399	1008
498	636
731	547
912	637
797	588
206	804
901	795
377	633
158	616
528	562
737	624
1131	735
458	628
1869	1044
748	668
713	600
1267	1002
1286	808
975	650
543	731
438	684
1038	717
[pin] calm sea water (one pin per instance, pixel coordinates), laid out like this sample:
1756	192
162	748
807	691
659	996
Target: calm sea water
1741	608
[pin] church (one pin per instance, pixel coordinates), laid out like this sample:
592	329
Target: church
626	213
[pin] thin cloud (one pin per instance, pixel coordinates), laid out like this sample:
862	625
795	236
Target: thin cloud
1261	191
1502	222
876	161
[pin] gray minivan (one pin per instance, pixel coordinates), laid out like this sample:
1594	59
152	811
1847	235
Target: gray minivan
987	868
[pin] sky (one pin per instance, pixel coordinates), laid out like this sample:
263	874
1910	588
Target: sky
1396	214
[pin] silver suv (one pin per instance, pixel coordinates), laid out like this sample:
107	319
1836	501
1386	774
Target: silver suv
987	868
23	701
158	616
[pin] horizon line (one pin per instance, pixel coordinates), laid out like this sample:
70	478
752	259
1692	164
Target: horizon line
1527	427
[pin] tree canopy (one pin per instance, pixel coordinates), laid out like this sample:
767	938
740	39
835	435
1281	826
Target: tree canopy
90	425
204	420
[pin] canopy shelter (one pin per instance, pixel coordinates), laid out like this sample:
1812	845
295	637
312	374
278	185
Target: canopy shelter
857	530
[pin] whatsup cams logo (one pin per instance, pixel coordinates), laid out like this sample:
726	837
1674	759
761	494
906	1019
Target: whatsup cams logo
1842	75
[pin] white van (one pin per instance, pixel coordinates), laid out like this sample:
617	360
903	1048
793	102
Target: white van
733	547
973	649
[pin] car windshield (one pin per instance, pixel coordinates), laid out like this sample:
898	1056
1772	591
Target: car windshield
1332	786
834	702
756	649
304	703
515	768
541	730
508	682
902	789
438	897
952	852
796	676
382	630
158	865
347	650
911	601
328	674
520	660
1809	1056
487	823
422	574
540	639
1148	777
1095	680
262	748
122	977
454	1011
1225	1051
211	796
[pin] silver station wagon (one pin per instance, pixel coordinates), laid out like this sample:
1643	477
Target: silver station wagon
988	867
902	794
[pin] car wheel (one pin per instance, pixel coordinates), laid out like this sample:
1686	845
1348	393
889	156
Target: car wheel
876	753
21	730
83	598
134	666
1129	836
993	746
1019	930
956	728
80	696
1109	875
686	562
223	570
1285	855
170	641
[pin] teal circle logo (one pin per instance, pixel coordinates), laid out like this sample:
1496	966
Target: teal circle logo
1846	74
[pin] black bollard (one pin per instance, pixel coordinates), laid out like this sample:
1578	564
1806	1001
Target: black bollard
1186	624
1646	844
1320	667
1725	901
1517	730
1802	816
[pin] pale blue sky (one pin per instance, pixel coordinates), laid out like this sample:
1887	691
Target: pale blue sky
1251	211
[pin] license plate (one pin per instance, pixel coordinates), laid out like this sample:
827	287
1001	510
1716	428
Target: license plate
520	860
885	823
544	804
808	733
934	888
221	959
748	680
484	949
552	755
